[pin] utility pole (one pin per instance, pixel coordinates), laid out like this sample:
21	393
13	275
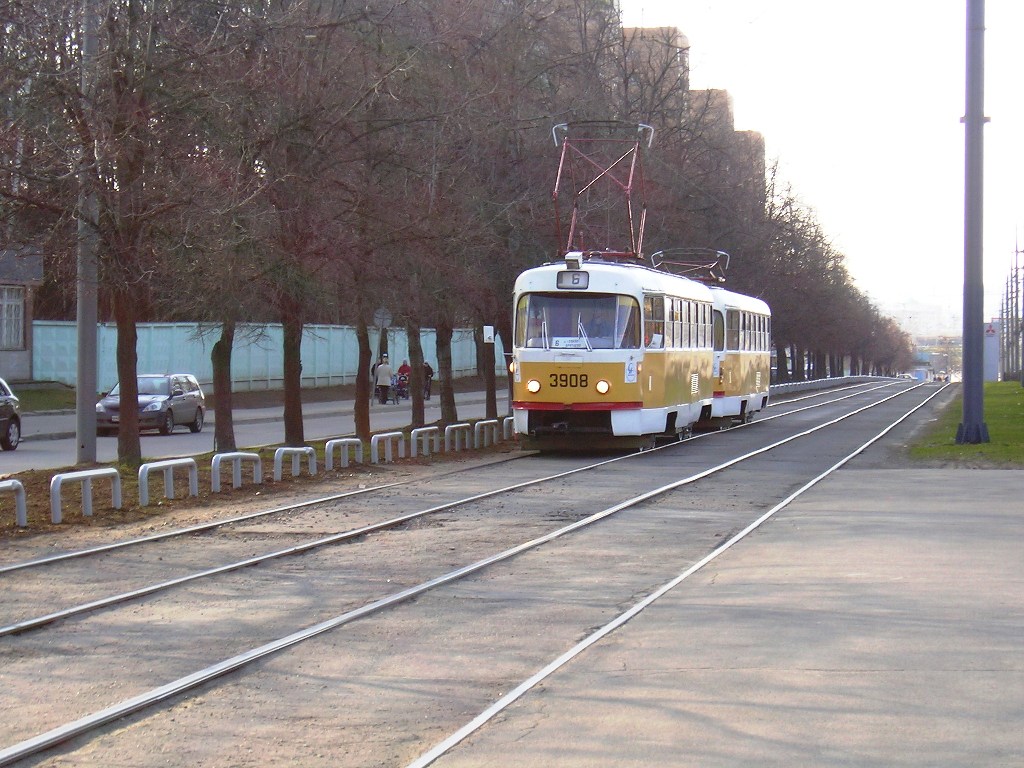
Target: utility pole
973	428
86	284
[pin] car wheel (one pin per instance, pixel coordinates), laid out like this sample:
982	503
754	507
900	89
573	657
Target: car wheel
197	422
12	436
167	425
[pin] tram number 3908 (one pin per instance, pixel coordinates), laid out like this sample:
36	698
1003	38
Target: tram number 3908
572	380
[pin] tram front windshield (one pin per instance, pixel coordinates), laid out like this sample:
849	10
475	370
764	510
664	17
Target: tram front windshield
577	321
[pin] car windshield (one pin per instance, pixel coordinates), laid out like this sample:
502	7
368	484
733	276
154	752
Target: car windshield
160	385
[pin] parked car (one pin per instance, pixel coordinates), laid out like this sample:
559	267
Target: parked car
10	418
165	400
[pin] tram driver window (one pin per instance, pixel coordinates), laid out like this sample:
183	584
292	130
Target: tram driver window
577	321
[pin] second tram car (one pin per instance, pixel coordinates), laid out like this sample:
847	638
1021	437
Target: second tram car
742	344
609	354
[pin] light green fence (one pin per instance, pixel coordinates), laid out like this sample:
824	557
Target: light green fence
330	353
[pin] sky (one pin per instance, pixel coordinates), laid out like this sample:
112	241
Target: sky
861	104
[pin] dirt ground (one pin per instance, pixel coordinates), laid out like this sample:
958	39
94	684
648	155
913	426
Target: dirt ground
37	483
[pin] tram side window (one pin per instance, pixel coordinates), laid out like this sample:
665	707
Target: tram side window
654	322
667	332
732	329
678	339
718	330
681	340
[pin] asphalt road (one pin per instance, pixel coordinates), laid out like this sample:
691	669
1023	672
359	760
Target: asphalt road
48	439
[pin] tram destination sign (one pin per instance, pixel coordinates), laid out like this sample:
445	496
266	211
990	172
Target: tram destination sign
573	279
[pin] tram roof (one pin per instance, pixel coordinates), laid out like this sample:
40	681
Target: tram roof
613	276
732	300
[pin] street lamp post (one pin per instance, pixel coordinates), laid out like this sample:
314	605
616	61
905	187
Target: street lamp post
973	428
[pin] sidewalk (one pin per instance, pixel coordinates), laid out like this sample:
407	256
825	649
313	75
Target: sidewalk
52	425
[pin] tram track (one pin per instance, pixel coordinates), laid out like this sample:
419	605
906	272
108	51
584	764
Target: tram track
287	508
404	594
349	535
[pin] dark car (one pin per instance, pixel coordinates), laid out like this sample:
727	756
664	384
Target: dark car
10	418
164	401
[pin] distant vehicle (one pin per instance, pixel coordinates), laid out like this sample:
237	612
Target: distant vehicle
10	418
164	402
905	376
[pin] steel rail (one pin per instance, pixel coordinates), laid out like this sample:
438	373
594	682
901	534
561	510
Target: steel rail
84	725
185	531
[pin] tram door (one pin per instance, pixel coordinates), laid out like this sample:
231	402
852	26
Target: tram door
718	338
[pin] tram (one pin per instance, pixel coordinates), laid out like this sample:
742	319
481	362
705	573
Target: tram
610	353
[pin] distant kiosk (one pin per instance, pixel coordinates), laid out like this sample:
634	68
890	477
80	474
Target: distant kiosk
992	351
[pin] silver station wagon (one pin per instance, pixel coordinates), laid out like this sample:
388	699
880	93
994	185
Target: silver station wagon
165	401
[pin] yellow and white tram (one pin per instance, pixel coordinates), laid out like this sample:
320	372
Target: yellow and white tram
742	344
609	353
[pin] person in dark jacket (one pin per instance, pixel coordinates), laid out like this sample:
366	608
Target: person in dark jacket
428	377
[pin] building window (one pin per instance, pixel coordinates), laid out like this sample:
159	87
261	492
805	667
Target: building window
12	317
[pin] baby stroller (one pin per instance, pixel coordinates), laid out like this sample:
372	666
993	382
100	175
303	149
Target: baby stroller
402	387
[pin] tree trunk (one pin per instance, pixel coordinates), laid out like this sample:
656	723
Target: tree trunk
129	446
363	387
449	413
294	430
220	359
412	332
782	364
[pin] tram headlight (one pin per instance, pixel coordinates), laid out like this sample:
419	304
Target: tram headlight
533	386
602	387
512	367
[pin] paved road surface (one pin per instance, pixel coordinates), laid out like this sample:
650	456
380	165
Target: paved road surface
48	440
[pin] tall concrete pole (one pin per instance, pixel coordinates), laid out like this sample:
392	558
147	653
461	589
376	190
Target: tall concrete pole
973	428
85	393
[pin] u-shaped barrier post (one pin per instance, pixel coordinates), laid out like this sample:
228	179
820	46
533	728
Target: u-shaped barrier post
167	466
508	427
342	444
386	437
484	429
20	506
85	477
455	432
236	458
296	452
423	434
